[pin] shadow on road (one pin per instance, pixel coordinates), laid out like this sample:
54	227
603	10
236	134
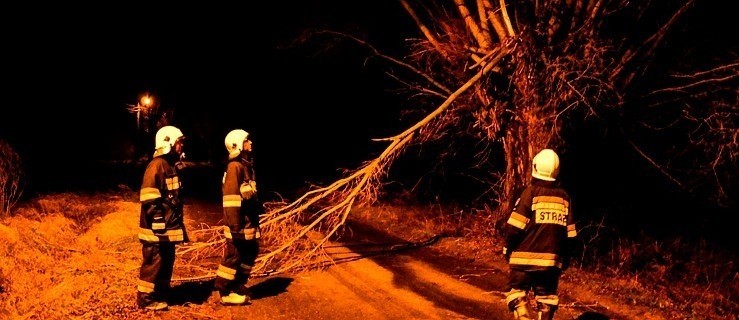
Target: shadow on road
392	253
339	253
270	287
488	280
592	316
196	292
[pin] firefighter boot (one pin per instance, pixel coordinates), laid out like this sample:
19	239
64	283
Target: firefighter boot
148	302
233	299
546	306
521	309
546	312
244	291
157	306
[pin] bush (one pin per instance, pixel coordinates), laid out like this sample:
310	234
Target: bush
699	276
11	178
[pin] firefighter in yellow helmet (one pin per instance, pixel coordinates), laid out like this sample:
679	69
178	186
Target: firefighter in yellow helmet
539	235
241	209
161	223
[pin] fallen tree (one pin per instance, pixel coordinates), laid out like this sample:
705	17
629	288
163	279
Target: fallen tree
513	75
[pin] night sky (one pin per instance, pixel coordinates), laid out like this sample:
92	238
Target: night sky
70	72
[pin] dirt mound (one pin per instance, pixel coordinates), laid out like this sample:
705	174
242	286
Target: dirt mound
51	272
115	229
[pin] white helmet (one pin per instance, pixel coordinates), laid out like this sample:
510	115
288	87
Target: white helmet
235	142
545	165
165	139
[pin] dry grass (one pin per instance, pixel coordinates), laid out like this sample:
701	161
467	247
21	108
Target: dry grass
45	259
470	233
57	242
426	220
682	279
74	256
77	256
83	210
694	279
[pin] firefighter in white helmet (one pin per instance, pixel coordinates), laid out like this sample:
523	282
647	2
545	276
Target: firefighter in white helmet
161	223
539	235
241	209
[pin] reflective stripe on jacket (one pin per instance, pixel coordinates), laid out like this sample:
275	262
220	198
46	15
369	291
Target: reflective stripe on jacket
241	214
539	227
161	218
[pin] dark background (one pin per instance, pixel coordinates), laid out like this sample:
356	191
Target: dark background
69	73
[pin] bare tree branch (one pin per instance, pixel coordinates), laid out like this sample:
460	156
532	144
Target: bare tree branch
486	68
494	20
484	22
358	187
421	26
393	60
649	46
655	164
506	18
471	24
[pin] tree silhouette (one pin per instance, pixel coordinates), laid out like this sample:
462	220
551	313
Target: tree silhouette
11	178
513	75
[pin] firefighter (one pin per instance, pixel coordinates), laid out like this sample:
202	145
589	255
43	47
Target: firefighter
241	209
539	234
161	223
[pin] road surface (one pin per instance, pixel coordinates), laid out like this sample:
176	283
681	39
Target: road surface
371	280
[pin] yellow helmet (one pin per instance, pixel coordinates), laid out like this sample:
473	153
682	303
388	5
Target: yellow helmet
545	165
235	142
165	140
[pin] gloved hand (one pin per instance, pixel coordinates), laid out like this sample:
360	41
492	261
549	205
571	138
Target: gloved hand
158	224
248	190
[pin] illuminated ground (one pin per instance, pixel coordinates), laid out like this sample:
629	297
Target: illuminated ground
52	268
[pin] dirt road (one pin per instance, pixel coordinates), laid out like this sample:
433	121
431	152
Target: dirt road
366	289
370	280
375	276
388	287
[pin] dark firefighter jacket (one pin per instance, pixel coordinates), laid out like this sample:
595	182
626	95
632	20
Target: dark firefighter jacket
241	207
541	228
161	217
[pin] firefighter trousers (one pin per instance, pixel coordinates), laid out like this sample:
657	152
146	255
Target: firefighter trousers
236	265
544	285
543	282
156	272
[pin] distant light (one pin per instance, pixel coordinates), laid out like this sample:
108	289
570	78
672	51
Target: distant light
147	101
